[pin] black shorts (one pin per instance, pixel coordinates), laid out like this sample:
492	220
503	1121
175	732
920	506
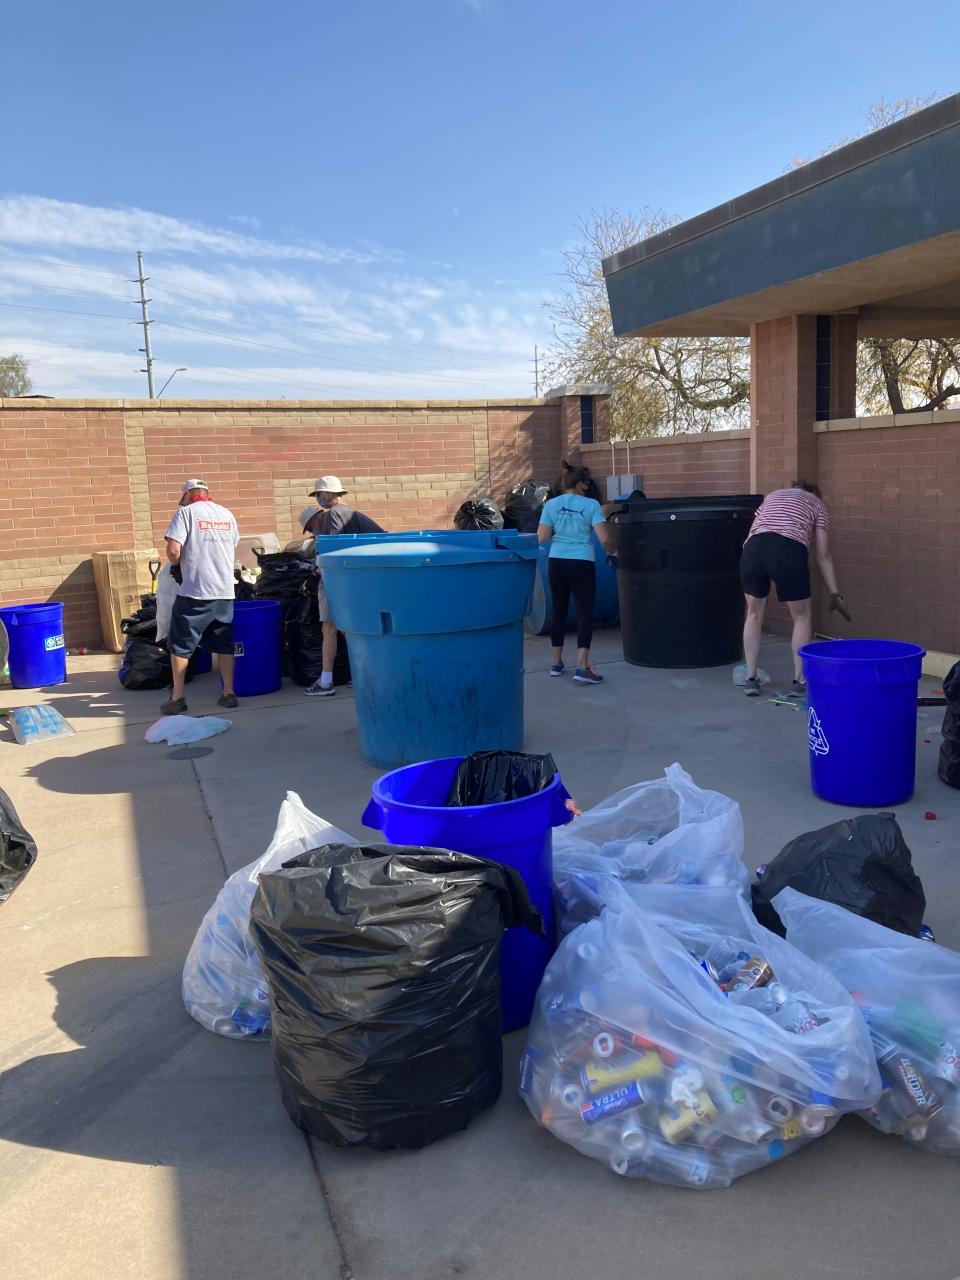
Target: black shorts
200	624
770	557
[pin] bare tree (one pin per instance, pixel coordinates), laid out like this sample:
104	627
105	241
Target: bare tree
14	378
662	386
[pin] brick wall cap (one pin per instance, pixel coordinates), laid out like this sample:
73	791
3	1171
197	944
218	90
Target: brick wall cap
168	406
579	389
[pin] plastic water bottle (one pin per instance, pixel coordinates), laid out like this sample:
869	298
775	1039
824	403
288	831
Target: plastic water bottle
796	1017
723	958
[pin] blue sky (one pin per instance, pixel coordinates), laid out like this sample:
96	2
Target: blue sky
371	199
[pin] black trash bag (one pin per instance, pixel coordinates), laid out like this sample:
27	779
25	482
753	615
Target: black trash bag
146	662
282	574
491	777
948	767
303	642
18	850
523	506
383	969
861	863
242	590
479	513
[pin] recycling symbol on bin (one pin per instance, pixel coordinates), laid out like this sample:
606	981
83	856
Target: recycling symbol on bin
817	738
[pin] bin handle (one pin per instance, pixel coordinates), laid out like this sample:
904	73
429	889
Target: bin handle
373	816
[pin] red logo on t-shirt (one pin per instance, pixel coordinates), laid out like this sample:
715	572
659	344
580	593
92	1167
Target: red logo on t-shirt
220	526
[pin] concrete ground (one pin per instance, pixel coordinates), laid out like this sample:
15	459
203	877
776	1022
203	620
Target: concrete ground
135	1144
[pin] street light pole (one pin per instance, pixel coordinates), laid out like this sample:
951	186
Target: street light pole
169	380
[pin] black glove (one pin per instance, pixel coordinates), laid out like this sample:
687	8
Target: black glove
613	560
176	573
837	606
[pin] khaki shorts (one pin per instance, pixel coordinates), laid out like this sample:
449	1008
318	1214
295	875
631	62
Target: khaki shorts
323	604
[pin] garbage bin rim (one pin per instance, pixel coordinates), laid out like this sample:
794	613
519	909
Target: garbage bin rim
382	798
421	554
837	652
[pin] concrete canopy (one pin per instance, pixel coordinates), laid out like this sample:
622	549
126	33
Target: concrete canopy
872	229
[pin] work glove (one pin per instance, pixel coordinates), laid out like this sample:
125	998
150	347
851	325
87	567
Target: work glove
176	573
613	560
837	605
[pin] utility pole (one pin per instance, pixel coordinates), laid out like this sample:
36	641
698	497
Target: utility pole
536	371
142	280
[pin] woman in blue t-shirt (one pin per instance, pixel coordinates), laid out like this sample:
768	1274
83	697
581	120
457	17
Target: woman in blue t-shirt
567	523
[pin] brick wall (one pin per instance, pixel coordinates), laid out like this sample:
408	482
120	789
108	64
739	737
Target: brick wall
80	476
895	525
674	466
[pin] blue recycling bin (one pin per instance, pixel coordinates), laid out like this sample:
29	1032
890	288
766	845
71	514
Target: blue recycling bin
256	645
37	654
862	720
435	629
606	609
409	807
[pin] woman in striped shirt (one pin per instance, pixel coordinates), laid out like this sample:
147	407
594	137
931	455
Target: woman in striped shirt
777	551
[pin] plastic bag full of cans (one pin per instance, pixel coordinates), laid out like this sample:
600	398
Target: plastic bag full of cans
676	1039
668	831
909	992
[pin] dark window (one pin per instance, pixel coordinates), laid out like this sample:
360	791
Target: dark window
823	368
586	419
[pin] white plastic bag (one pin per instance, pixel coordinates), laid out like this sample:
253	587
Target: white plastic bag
176	731
668	831
638	1057
909	992
166	594
223	984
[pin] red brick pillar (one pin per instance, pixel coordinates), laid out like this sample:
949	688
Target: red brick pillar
570	399
783	356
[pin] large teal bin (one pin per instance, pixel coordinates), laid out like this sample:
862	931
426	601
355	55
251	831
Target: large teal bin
606	608
37	656
436	642
256	644
410	807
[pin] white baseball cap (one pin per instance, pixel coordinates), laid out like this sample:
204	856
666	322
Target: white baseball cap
193	484
327	484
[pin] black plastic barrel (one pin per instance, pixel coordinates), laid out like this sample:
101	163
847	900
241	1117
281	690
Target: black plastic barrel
681	604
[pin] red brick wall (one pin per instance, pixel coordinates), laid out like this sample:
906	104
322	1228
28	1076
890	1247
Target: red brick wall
895	529
678	466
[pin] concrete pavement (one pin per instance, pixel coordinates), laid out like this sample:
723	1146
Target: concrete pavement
134	1143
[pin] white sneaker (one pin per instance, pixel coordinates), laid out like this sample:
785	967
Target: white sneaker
317	690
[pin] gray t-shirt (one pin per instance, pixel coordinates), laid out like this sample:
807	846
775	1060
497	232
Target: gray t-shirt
208	534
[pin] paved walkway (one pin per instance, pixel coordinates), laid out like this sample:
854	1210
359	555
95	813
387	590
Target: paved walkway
135	1144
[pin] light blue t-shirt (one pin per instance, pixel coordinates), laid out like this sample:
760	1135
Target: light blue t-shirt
572	520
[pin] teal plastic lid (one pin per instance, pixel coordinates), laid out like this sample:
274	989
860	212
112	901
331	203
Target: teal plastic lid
424	553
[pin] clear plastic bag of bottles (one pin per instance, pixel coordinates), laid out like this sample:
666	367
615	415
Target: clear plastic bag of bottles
675	1039
908	990
668	831
223	984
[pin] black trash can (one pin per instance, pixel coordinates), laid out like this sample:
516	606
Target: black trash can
681	604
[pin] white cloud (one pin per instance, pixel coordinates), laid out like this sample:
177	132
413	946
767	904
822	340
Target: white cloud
38	220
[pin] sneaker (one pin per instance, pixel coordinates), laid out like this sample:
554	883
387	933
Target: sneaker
799	689
752	687
174	706
557	669
587	675
228	700
317	690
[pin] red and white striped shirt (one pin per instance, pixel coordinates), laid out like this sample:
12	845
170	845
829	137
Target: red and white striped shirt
793	513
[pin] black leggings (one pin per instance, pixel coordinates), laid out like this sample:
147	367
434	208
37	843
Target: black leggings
577	578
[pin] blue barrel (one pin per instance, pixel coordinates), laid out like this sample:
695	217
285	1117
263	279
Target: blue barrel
37	656
862	720
606	609
436	642
409	807
256	643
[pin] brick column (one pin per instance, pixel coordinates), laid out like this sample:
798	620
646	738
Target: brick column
571	422
782	402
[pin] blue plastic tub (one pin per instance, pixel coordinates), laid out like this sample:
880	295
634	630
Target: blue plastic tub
436	641
606	609
37	655
409	807
256	644
862	720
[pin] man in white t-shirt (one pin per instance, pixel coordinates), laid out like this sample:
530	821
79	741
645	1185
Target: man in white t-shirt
201	545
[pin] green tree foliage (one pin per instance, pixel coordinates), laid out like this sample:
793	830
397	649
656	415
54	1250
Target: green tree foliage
14	379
